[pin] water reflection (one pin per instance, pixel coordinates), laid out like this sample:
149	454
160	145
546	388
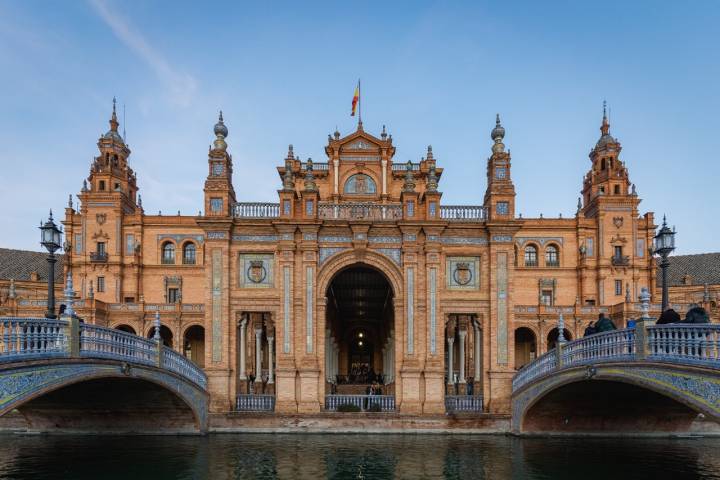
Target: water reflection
331	456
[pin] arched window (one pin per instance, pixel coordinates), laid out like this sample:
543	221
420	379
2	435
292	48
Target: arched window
189	254
602	164
552	259
531	256
168	253
617	189
360	184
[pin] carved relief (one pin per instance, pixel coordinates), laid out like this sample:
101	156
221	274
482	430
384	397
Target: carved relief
462	273
256	270
618	222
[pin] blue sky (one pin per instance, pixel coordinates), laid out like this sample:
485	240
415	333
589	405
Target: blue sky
433	72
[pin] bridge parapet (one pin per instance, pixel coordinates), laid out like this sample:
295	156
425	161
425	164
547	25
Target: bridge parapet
697	344
24	339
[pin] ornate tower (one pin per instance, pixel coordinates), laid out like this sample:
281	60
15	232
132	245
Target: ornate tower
110	174
219	192
608	176
500	193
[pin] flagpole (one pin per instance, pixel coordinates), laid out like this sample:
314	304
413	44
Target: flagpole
359	103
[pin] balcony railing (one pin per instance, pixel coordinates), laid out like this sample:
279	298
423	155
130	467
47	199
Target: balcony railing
621	261
99	257
256	210
401	167
386	403
359	211
463	403
463	213
255	403
317	166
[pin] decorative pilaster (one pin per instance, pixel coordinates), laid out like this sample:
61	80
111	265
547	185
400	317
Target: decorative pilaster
258	354
243	342
271	354
450	341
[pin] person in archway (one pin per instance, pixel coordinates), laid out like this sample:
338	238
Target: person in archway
668	316
604	324
590	329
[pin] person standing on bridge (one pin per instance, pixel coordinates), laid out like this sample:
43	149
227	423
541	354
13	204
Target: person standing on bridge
668	316
604	324
589	330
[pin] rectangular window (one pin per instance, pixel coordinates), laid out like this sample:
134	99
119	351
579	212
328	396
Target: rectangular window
286	207
617	252
173	295
433	208
502	208
618	287
100	284
411	209
640	248
309	208
216	205
590	245
129	244
100	248
546	298
102	185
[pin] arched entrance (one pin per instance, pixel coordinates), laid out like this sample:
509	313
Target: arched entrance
126	328
165	334
525	346
553	336
194	344
359	333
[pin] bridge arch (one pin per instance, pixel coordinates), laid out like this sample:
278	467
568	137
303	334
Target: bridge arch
621	397
102	395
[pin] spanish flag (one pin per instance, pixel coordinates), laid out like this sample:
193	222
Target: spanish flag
356	99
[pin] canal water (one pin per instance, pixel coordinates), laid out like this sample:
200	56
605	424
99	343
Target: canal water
335	456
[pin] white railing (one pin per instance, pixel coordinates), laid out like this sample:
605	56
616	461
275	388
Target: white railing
463	213
463	403
613	345
256	210
96	341
359	211
539	367
401	167
672	343
687	343
386	403
173	361
255	403
317	166
31	337
24	338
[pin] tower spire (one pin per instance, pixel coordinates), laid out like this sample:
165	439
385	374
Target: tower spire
113	119
605	127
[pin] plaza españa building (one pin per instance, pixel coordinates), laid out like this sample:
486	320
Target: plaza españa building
358	273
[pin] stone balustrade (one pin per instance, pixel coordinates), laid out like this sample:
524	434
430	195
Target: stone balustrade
671	343
359	211
402	167
463	213
28	338
256	210
255	403
463	403
363	402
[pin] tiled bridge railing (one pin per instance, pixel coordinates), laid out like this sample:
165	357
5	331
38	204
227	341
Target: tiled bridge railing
35	338
675	343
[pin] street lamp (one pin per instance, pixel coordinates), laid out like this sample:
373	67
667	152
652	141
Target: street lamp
50	235
664	244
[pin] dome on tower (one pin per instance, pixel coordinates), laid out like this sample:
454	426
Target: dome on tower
498	132
220	128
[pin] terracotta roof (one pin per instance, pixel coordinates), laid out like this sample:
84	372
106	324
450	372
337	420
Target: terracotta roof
19	264
702	268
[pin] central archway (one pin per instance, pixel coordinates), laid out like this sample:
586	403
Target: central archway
359	332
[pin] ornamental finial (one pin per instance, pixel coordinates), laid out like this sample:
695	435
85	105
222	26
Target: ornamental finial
561	328
156	336
409	184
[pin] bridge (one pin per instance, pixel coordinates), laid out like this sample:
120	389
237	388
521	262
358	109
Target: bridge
71	376
650	378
